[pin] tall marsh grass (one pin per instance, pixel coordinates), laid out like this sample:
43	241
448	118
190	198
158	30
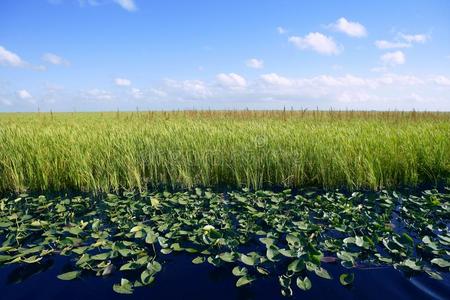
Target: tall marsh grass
109	151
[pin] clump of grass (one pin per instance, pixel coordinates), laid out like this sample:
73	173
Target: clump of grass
109	151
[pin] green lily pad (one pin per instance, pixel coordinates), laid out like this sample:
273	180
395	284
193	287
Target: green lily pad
125	287
69	275
441	262
244	280
346	279
304	284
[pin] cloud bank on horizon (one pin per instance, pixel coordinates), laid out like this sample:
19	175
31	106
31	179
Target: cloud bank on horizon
91	55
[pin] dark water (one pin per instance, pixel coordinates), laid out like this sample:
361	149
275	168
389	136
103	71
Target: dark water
180	279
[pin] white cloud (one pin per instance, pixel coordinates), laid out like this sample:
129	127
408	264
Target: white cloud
127	4
231	80
277	80
40	68
379	69
393	58
281	30
272	90
402	41
415	38
383	92
255	63
10	59
404	80
382	44
348	81
136	93
158	92
192	88
353	29
122	82
54	59
88	2
24	94
5	101
316	41
441	80
98	94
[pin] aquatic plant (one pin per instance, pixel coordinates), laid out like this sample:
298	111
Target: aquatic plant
111	151
262	233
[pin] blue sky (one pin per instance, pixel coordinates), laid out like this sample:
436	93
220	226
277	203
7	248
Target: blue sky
83	55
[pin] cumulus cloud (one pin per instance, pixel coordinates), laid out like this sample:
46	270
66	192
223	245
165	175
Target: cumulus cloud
281	30
231	80
348	80
402	41
54	59
5	102
273	90
192	88
277	80
393	58
158	92
122	82
97	94
136	93
346	88
441	80
316	41
382	44
415	38
353	29
24	94
127	4
383	92
9	58
254	63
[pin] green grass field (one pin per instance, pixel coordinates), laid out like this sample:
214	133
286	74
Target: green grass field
109	151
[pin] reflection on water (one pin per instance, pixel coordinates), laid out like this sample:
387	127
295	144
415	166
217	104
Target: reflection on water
23	272
435	289
180	279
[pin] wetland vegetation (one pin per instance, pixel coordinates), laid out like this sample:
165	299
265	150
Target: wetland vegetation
258	194
110	151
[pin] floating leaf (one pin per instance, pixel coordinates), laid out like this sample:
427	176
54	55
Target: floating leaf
441	262
136	228
248	260
304	284
151	237
101	256
347	279
125	287
413	265
239	271
328	259
246	279
227	256
198	260
321	272
69	275
272	253
296	266
154	202
147	277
